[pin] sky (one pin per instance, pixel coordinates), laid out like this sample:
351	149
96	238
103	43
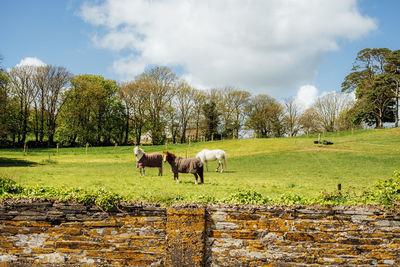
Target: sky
283	48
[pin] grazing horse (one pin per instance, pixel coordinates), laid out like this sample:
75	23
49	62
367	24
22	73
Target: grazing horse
147	160
211	155
178	164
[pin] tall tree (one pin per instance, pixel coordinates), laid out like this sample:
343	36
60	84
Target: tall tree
366	76
134	96
4	104
50	82
392	69
292	116
161	84
185	101
240	100
22	88
265	116
211	115
328	108
86	109
199	100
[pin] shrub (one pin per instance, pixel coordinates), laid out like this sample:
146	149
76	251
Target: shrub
9	186
290	199
387	192
246	197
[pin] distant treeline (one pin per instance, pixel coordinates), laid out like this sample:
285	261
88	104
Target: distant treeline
47	105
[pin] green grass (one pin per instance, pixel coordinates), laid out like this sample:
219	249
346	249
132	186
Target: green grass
271	167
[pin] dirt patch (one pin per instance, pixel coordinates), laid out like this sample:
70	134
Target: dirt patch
325	148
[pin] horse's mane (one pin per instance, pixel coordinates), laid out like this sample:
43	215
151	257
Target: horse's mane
171	154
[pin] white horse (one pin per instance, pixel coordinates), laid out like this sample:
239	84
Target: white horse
211	155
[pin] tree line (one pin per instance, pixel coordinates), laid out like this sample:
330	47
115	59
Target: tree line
47	104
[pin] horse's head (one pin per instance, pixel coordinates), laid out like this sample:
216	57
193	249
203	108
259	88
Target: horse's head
167	156
138	151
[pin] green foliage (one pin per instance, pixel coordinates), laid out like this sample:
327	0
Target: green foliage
246	197
106	199
9	186
290	199
103	198
387	192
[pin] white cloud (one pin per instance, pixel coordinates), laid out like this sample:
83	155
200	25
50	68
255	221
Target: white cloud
30	61
306	96
260	46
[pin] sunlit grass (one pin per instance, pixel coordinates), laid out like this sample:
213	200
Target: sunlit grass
269	166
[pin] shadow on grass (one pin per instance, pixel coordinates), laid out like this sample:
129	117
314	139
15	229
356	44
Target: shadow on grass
225	171
11	162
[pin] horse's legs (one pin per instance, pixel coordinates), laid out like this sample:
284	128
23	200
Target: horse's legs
206	164
140	169
160	171
222	165
195	176
219	163
177	177
144	171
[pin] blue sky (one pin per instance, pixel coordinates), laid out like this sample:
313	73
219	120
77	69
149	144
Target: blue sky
272	47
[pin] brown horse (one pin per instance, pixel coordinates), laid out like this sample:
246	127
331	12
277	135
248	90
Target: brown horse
178	164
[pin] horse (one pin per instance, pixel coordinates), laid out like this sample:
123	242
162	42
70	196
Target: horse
147	160
179	164
211	155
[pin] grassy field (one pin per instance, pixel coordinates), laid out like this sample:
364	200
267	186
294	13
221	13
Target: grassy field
268	166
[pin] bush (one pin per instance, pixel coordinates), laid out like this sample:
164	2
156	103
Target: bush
387	192
246	197
9	186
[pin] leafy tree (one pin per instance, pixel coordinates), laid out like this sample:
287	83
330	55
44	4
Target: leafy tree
199	101
160	86
329	106
50	82
392	69
22	89
309	121
87	107
185	101
4	105
211	115
265	116
368	75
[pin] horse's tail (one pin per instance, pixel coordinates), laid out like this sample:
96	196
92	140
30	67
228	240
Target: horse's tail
226	166
201	173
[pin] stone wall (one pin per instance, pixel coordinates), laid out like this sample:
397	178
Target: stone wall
59	233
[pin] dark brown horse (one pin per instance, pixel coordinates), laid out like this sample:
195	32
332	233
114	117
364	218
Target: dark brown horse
178	164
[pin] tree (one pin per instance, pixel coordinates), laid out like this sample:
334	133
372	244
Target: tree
199	101
134	96
160	84
292	116
50	82
87	107
309	121
22	88
232	108
367	75
392	68
185	101
211	115
240	100
4	104
265	116
171	116
328	108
